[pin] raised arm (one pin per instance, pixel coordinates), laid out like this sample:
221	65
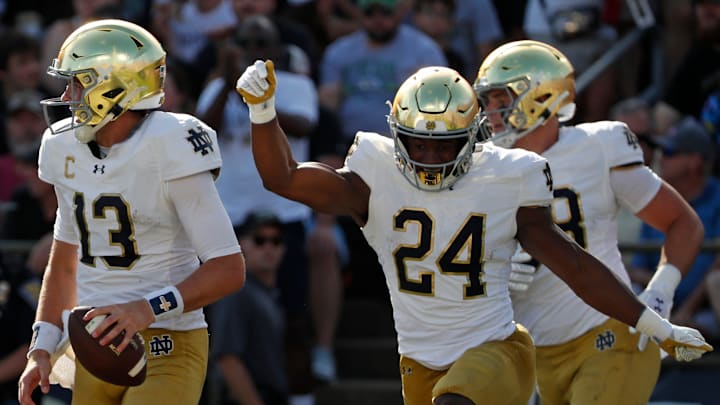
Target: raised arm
315	184
592	281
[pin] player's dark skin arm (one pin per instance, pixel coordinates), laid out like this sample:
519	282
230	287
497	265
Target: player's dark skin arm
583	273
338	192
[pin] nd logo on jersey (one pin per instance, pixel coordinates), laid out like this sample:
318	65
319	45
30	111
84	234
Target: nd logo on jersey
200	140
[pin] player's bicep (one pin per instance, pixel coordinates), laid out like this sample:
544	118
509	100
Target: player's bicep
203	215
325	189
666	208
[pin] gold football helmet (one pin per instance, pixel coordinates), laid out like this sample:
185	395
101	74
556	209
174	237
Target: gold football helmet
434	103
539	80
118	65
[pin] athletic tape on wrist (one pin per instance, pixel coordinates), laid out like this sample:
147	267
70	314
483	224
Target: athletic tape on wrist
46	336
165	303
666	279
263	112
652	324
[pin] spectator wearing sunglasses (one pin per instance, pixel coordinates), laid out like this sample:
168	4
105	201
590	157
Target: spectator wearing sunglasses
248	327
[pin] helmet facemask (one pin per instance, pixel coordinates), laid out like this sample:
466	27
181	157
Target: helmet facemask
436	103
429	176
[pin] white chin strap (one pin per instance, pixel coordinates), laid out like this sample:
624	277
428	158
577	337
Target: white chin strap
150	103
566	112
86	133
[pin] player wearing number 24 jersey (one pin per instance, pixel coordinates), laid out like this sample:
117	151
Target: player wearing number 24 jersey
444	218
141	234
583	357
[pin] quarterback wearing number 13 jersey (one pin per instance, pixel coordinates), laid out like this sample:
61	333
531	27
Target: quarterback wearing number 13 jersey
117	210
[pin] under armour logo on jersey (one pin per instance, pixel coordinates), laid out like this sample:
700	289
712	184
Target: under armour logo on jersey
99	169
605	340
548	176
200	140
161	345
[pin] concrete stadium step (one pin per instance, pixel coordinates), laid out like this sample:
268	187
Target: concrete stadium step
366	317
360	392
369	358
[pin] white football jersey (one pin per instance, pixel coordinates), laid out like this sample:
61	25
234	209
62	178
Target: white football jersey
130	239
585	207
446	254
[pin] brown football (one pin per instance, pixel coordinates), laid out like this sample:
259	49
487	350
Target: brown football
104	362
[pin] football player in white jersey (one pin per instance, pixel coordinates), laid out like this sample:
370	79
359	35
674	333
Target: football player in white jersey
444	219
583	357
140	233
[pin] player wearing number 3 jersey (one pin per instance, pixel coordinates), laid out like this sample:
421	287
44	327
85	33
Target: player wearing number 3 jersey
445	217
583	357
141	234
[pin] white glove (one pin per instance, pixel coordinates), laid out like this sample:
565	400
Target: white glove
659	294
680	342
522	271
257	87
659	303
685	344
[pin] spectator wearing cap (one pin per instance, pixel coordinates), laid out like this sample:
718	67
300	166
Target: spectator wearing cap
247	328
686	161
